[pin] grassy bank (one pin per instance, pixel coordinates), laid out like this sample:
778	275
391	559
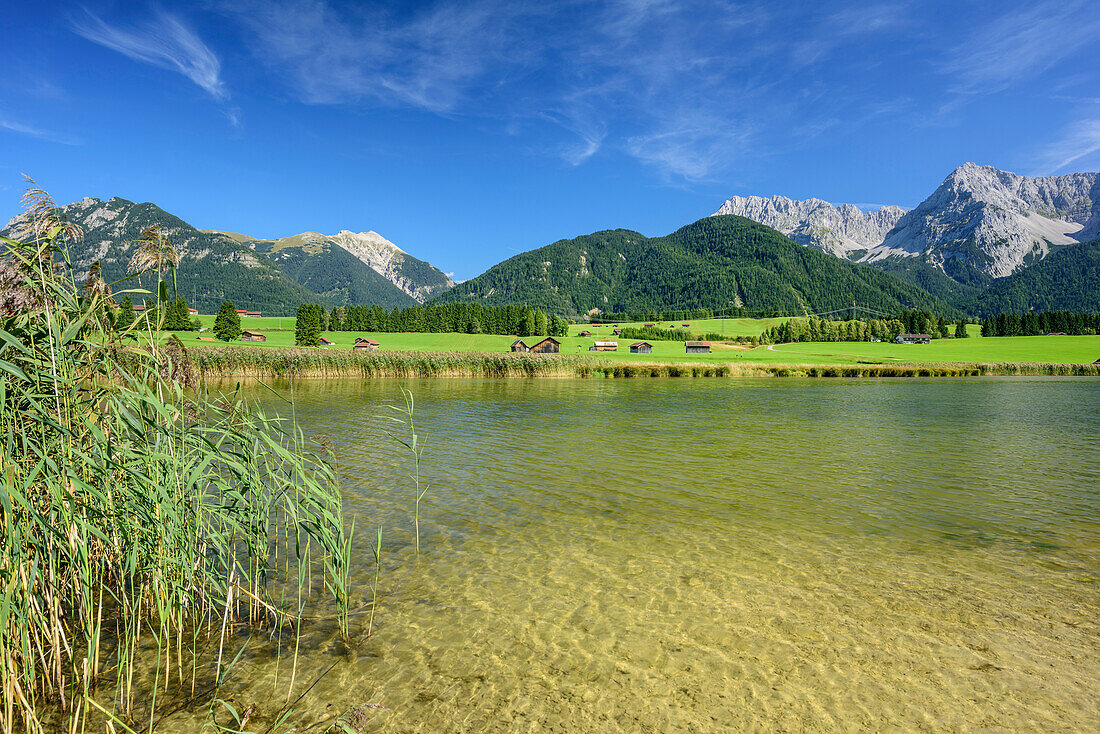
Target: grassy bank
235	361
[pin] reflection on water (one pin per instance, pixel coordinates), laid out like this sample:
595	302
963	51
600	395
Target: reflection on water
706	555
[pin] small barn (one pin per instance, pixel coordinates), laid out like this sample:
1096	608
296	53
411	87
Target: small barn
549	345
914	339
617	331
648	326
604	347
251	314
520	346
253	336
327	342
641	348
697	347
365	345
585	333
206	338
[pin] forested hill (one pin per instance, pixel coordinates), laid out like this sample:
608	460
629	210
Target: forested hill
1067	280
715	263
215	266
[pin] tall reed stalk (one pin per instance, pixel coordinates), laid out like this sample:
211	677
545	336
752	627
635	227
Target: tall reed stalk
416	450
139	521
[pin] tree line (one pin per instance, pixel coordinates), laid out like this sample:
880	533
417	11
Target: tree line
816	329
461	318
1044	322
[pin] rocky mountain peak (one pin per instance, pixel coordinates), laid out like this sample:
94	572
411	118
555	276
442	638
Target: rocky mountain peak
844	230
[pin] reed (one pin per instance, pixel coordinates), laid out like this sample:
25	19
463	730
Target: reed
214	363
141	519
415	447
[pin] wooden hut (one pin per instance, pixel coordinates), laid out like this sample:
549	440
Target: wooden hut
604	347
648	325
206	338
327	342
641	348
549	345
914	339
585	333
697	347
365	345
520	346
253	336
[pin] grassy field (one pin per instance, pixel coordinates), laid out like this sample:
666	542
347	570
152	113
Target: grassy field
1025	349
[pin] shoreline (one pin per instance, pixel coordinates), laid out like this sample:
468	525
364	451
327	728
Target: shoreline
255	362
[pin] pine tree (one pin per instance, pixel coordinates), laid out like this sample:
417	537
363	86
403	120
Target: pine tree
307	326
960	330
125	316
227	325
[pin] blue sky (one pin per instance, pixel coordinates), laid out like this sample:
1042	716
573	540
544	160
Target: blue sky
468	132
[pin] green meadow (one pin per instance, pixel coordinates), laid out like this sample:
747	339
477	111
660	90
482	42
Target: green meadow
1048	349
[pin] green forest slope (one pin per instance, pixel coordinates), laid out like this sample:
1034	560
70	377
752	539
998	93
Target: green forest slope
716	263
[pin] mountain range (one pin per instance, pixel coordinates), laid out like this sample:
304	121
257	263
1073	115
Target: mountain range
272	276
984	241
981	224
720	263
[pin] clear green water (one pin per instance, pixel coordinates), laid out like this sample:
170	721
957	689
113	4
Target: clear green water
720	555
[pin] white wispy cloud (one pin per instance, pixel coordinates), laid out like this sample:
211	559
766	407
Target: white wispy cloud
1023	43
15	126
1077	144
163	41
680	85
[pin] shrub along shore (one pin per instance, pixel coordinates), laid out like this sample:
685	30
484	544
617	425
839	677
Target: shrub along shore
218	362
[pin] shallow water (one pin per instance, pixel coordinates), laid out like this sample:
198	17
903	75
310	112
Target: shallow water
663	555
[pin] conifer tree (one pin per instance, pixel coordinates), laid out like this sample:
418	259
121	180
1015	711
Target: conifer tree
227	325
307	326
960	330
125	315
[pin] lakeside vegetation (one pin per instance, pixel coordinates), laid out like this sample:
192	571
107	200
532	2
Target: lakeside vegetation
215	363
149	528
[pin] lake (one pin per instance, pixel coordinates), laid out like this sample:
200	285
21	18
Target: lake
707	555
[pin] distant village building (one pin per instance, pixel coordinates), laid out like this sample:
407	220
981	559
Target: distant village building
327	342
685	325
365	345
641	348
648	325
604	347
520	346
253	336
585	333
193	311
252	314
206	338
617	331
697	347
914	339
1057	333
549	345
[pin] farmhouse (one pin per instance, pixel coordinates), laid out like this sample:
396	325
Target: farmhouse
914	339
604	347
549	345
193	311
365	345
520	346
253	336
641	348
697	347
